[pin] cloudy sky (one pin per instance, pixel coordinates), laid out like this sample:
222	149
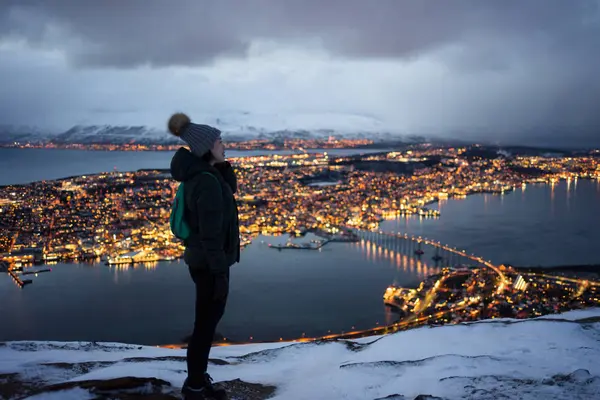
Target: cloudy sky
460	67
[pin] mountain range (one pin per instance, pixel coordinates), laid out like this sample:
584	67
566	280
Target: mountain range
109	134
238	131
235	127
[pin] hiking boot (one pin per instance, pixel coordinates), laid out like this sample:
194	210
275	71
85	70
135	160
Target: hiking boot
203	390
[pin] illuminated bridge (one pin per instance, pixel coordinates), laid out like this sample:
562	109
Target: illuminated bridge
406	242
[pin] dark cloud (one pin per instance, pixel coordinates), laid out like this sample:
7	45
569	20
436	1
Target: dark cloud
502	67
184	32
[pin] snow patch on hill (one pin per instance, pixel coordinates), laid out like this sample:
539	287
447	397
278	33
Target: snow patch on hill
547	358
235	126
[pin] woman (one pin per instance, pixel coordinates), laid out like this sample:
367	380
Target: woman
214	244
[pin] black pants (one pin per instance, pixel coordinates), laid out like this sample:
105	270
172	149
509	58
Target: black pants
208	314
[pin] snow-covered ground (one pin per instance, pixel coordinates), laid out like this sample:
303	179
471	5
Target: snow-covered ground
556	357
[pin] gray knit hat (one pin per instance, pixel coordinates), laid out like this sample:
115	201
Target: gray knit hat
201	138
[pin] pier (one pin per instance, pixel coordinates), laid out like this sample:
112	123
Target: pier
350	237
36	272
17	279
12	269
302	246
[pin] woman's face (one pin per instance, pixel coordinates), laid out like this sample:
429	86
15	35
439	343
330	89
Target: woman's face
218	151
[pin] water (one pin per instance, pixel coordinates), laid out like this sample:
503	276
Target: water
539	225
30	165
273	294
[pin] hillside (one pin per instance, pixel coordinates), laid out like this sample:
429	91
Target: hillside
235	127
554	357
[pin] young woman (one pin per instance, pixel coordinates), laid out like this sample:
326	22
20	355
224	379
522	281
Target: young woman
213	246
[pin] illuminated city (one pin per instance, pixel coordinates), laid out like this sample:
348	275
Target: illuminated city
126	213
254	144
121	219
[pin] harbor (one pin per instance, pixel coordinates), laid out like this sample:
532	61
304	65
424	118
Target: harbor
12	272
136	257
322	239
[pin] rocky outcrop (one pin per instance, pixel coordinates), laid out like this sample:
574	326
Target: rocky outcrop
124	388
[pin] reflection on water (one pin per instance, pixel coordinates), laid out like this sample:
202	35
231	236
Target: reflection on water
399	252
121	272
147	265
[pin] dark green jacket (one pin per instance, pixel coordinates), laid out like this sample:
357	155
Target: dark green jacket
211	211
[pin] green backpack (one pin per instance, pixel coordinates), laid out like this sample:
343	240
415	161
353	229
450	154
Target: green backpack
179	226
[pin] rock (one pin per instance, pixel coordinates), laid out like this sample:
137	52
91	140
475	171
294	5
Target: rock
125	388
548	381
80	368
427	397
129	388
11	386
580	375
239	389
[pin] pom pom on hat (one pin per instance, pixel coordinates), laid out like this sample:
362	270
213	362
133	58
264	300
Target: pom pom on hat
177	122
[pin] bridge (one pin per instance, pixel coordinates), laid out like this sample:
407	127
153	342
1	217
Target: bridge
407	242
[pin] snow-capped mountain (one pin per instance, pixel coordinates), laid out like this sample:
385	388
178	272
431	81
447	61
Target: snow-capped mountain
114	134
553	357
25	133
235	127
301	125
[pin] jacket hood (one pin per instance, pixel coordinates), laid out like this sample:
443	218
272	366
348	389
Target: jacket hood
185	165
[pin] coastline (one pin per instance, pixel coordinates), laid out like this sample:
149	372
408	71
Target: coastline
586	271
174	147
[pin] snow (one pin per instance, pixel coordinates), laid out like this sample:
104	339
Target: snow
515	358
317	121
233	124
11	133
575	314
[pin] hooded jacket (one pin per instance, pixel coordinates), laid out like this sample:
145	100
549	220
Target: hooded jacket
211	211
